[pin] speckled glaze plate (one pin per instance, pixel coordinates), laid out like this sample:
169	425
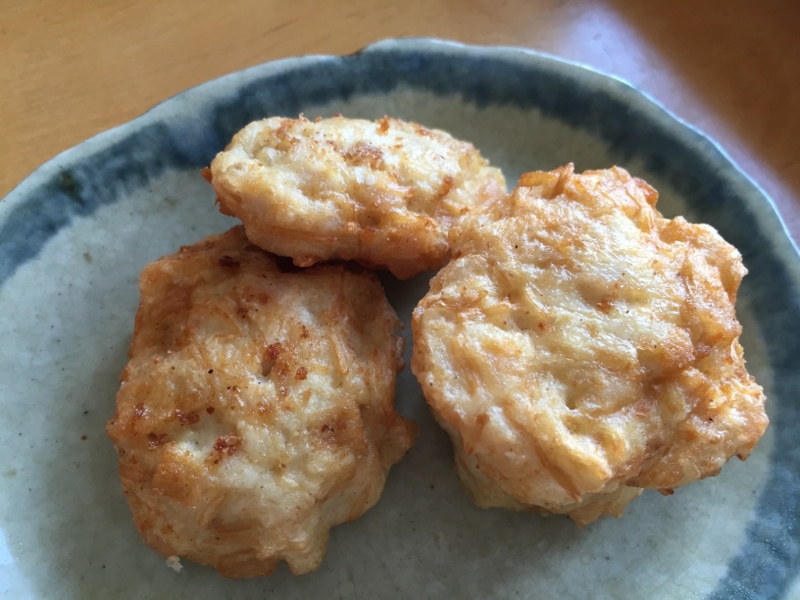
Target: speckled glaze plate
76	233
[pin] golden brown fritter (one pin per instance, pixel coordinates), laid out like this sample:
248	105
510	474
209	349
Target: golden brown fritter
257	409
383	193
580	347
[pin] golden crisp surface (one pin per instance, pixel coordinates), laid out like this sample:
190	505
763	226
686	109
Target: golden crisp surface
580	347
257	409
384	193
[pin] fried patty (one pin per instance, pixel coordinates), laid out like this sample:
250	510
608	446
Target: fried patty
257	409
383	193
580	347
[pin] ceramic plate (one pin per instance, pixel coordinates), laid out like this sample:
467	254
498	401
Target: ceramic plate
76	233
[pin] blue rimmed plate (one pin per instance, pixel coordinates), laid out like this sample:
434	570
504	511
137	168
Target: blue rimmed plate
75	234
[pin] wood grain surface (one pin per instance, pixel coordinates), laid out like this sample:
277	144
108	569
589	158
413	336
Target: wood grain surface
72	68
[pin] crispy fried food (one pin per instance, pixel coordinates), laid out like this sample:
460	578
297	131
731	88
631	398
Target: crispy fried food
257	409
383	193
580	347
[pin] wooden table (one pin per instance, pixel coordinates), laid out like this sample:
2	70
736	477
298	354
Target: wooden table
72	68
